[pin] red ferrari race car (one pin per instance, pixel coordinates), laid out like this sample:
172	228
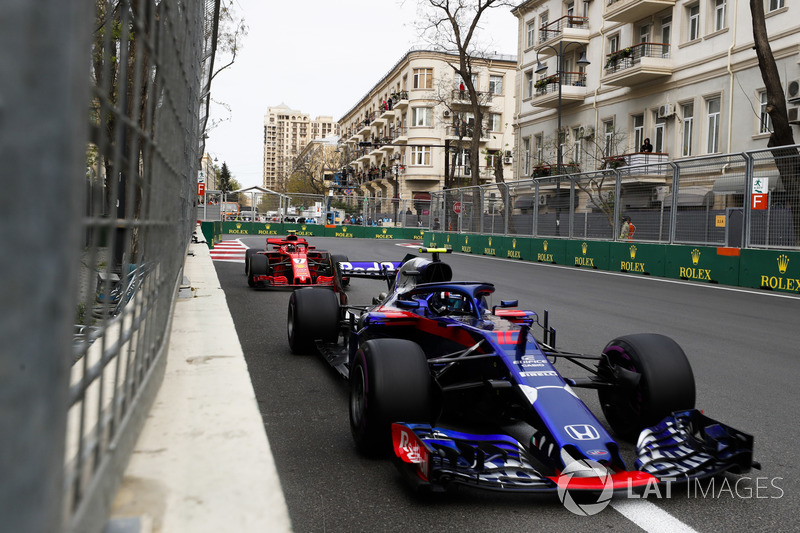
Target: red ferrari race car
291	262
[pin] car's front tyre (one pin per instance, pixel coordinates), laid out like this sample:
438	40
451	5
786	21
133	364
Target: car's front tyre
665	382
389	382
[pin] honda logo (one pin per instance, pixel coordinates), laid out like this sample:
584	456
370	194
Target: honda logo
582	432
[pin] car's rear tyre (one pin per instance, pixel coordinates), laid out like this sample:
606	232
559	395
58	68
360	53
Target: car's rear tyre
257	266
247	255
335	260
313	315
389	382
666	382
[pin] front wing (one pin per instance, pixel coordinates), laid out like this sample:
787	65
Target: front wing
683	446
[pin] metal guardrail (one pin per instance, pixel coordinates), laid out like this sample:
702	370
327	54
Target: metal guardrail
705	201
92	296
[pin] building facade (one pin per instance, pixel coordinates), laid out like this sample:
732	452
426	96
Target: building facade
286	133
681	73
393	139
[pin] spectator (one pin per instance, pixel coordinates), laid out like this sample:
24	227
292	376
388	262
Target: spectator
646	147
435	223
627	229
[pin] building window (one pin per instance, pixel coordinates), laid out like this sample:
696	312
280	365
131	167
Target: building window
539	149
688	127
693	18
666	35
543	22
712	109
613	44
638	132
608	137
422	116
459	80
576	146
765	121
719	14
423	78
776	4
644	33
526	156
421	156
659	144
570	9
531	39
496	84
529	84
494	122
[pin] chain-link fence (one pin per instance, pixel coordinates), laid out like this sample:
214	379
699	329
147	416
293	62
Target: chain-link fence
746	200
88	298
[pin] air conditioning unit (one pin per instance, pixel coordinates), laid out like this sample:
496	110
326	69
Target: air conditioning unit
793	92
446	113
794	115
507	160
586	132
666	110
542	199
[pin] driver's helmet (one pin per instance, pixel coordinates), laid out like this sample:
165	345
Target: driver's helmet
290	247
446	303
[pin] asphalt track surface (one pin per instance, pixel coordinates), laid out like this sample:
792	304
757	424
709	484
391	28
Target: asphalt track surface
742	344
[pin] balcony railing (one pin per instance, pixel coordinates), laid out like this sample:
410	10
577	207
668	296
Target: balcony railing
555	28
549	84
459	96
632	56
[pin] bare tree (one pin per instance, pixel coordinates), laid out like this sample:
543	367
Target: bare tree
453	25
309	172
786	159
230	32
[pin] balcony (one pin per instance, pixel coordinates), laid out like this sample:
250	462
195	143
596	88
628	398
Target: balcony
641	63
464	132
568	28
400	100
640	167
400	136
461	98
633	10
573	89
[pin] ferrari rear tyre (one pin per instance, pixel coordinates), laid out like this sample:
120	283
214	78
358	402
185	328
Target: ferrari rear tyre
257	266
335	260
665	383
313	315
389	382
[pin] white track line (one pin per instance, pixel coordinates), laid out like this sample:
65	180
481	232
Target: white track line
650	517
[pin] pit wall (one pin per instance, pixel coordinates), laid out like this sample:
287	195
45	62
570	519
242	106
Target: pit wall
777	270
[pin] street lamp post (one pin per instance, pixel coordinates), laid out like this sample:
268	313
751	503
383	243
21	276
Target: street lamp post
540	68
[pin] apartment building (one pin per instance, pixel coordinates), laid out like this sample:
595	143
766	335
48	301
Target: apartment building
681	73
393	139
286	132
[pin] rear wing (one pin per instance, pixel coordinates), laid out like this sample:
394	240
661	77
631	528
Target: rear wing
370	269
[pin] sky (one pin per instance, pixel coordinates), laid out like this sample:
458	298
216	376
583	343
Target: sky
319	57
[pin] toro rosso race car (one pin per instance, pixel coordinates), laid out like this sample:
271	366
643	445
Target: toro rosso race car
291	262
464	393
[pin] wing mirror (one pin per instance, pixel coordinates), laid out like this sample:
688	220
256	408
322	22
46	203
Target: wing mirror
505	303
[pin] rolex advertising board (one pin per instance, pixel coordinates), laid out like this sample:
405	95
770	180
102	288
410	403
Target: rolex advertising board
588	254
636	258
770	269
702	263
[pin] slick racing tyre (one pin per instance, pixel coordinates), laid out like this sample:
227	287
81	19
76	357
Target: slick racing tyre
313	315
389	382
258	265
335	260
659	381
247	255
